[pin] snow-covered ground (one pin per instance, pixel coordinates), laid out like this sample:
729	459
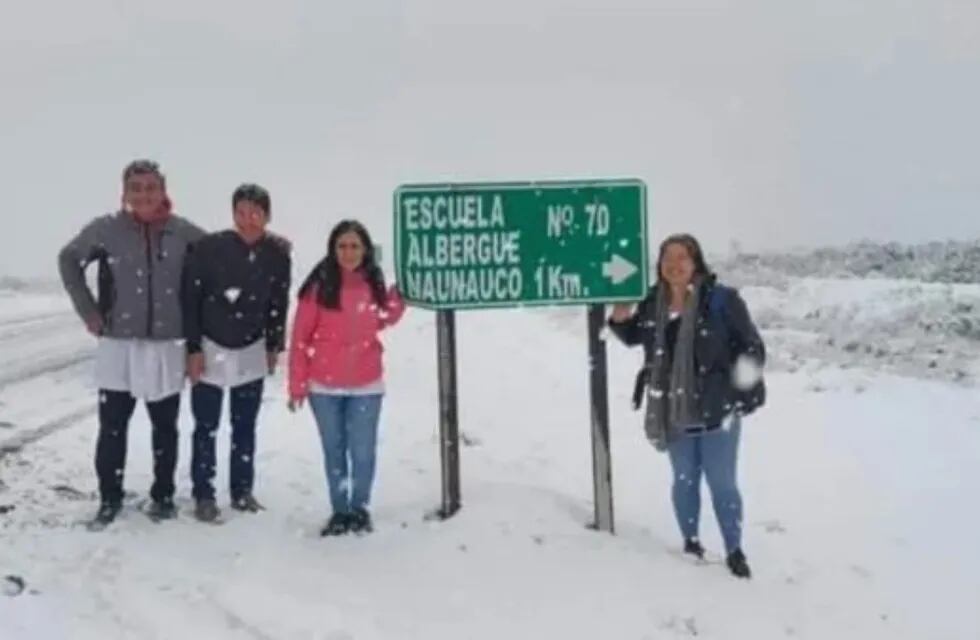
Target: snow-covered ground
859	487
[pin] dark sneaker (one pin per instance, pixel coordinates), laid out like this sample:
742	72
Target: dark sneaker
738	565
247	503
360	521
162	510
105	515
337	525
693	547
207	510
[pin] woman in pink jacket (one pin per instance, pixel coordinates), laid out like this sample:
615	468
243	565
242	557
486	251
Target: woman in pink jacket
335	362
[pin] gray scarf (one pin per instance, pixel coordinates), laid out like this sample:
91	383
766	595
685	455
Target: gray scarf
670	410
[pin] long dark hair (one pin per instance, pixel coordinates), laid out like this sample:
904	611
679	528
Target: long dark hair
325	278
693	247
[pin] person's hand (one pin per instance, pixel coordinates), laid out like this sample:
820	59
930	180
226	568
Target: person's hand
296	403
272	360
195	367
622	312
95	325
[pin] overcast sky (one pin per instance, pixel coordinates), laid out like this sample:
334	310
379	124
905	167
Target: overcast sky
773	124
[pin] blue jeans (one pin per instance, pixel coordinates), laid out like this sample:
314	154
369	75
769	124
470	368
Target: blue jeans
712	454
206	402
348	426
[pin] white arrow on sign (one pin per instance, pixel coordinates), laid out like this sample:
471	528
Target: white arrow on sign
618	269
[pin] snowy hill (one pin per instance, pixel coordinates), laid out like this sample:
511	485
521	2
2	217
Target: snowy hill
948	262
908	310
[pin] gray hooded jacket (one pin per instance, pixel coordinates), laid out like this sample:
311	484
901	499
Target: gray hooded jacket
139	274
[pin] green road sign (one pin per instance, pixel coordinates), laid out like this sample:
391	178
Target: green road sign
466	246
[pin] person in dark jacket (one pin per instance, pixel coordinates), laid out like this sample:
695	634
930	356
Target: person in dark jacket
136	316
235	301
702	373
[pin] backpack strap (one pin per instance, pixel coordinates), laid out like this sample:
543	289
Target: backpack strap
716	303
717	300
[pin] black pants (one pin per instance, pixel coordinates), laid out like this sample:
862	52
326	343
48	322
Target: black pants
115	410
206	405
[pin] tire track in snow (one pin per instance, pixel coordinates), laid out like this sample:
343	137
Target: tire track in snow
38	344
19	326
34	346
236	622
18	442
43	366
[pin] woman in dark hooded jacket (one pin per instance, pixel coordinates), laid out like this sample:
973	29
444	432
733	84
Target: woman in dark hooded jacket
702	373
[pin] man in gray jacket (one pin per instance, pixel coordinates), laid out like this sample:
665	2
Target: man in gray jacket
137	318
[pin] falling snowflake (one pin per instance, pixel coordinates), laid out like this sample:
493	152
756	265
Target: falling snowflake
232	293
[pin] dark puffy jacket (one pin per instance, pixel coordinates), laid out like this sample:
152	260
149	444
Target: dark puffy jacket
725	331
236	294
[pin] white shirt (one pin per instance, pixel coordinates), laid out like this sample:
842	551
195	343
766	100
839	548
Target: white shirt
224	367
149	370
375	388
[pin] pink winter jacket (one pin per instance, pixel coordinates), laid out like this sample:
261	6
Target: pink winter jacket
340	347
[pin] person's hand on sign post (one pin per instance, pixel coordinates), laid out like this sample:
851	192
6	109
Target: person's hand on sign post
621	312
